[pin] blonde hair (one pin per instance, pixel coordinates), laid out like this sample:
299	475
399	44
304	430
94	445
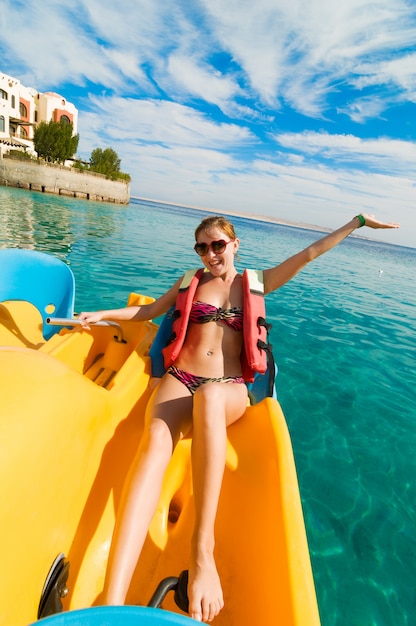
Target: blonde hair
216	221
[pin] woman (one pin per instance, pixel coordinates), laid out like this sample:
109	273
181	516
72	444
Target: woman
203	391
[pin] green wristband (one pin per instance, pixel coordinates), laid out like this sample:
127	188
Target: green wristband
361	219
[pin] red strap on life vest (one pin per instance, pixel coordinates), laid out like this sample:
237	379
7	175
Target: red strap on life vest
254	358
183	307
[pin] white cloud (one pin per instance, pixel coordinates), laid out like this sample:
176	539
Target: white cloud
298	51
382	154
50	46
288	52
158	121
400	71
86	40
202	81
364	109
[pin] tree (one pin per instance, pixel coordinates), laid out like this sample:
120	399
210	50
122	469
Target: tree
105	162
54	141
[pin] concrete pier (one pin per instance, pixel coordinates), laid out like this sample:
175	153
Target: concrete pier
61	180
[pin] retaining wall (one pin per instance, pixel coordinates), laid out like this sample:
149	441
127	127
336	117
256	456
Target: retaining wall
61	180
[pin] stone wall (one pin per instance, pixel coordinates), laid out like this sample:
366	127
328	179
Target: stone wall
61	180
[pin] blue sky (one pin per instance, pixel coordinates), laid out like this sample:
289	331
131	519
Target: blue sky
302	110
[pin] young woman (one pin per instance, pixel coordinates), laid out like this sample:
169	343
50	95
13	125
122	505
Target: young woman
203	391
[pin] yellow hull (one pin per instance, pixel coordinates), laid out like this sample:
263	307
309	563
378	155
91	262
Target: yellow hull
72	416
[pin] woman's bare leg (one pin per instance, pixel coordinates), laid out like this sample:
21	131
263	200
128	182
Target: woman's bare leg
216	406
168	418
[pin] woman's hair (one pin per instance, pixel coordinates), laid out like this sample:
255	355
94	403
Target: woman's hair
216	221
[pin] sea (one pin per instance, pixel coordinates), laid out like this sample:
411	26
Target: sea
343	334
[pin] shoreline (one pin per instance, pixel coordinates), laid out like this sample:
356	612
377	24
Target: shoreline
255	217
249	216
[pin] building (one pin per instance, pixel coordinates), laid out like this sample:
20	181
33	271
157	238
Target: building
22	108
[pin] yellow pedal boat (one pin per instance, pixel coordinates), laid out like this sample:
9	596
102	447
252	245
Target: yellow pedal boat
72	410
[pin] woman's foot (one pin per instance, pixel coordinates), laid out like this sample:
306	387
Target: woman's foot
204	590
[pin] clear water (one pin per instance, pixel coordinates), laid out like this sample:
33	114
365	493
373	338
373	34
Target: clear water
344	339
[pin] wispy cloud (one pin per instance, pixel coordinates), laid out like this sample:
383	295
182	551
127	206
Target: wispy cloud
361	110
298	51
400	72
158	121
193	79
382	154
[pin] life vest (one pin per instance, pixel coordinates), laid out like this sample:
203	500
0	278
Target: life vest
254	357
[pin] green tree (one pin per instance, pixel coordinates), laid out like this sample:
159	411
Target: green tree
54	141
107	162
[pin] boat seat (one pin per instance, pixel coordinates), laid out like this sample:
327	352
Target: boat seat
40	279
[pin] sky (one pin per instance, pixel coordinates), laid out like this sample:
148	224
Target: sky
300	110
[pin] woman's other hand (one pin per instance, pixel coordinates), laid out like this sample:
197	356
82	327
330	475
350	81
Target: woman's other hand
88	318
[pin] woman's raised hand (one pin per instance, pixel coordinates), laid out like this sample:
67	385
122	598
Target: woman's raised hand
371	222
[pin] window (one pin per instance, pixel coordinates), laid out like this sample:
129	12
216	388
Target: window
65	118
13	102
3	95
22	110
23	132
2	126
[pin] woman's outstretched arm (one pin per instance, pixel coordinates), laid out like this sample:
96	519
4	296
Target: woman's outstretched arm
277	276
134	313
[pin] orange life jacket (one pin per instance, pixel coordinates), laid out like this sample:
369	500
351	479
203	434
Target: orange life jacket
255	328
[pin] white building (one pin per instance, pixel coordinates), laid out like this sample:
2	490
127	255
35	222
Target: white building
22	108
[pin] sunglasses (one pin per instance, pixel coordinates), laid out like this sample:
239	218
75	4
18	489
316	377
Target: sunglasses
218	247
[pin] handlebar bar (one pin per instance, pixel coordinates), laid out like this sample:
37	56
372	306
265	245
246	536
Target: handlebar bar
63	321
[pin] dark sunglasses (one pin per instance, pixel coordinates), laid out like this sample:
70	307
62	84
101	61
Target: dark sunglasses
217	247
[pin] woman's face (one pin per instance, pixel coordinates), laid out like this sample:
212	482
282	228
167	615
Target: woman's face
217	257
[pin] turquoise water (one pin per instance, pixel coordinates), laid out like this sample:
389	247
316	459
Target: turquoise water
344	339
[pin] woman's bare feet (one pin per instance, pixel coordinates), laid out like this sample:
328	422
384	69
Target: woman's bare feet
204	589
